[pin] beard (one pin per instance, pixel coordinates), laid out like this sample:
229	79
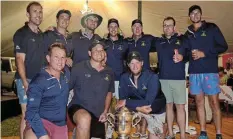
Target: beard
195	22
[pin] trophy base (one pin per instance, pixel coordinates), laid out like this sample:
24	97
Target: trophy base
123	137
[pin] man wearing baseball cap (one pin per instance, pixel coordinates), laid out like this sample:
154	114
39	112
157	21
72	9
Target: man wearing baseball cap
60	34
93	86
140	42
206	43
82	40
116	51
140	91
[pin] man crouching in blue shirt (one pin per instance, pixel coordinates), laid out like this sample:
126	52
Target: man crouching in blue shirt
140	91
47	98
93	86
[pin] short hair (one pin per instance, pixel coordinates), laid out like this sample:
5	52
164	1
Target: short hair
63	11
170	18
56	45
220	69
33	3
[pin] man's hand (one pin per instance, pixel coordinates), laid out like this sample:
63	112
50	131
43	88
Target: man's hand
144	109
44	137
69	62
120	103
196	54
177	57
25	85
103	117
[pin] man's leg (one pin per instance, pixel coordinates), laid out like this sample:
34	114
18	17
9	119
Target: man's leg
170	118
22	121
180	112
214	103
82	118
200	104
29	134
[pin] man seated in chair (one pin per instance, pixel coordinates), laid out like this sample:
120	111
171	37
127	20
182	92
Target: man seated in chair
93	86
140	91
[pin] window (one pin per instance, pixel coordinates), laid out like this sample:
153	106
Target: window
5	65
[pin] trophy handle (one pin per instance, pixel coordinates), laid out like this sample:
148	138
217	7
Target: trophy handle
135	117
111	119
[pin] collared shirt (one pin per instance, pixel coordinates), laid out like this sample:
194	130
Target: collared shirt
168	69
143	46
147	92
47	99
210	40
91	86
51	37
80	46
31	44
116	54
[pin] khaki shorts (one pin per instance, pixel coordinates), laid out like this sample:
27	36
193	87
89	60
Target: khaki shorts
174	91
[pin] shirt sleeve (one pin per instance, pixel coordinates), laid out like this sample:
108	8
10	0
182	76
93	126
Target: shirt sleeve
35	92
151	93
153	44
112	84
220	43
123	92
73	77
19	47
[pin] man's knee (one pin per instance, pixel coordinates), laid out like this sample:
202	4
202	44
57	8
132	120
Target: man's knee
82	118
29	134
180	107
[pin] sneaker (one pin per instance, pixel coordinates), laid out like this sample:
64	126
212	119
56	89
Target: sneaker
170	137
218	137
203	137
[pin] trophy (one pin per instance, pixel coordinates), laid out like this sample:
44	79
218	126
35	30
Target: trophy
123	121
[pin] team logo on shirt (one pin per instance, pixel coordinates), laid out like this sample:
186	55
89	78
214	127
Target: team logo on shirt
143	43
17	47
144	87
33	40
178	42
203	34
120	48
87	75
107	77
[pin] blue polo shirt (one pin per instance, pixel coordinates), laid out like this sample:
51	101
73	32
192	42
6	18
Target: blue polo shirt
91	87
47	99
116	54
31	44
148	92
210	40
168	69
143	46
80	46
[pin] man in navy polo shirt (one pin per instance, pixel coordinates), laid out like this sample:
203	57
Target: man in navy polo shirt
141	42
140	91
29	54
47	98
60	34
170	50
116	51
206	43
82	40
93	86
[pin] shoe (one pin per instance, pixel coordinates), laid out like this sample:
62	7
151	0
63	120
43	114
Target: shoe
203	137
143	136
219	137
170	137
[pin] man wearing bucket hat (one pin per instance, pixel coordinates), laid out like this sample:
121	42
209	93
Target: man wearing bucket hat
93	86
140	91
206	43
82	40
116	51
141	42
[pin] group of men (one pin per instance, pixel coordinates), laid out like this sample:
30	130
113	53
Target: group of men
52	63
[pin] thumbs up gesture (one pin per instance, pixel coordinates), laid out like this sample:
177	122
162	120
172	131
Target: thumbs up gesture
177	57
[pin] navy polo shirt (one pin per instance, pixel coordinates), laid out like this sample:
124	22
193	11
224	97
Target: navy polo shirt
51	37
47	99
168	69
210	40
80	45
147	92
31	44
143	46
91	87
116	54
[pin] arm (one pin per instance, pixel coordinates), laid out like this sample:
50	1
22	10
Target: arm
153	44
35	92
151	93
73	78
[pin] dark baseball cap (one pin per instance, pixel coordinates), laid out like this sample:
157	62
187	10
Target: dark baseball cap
63	11
194	7
95	42
113	20
136	21
134	55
